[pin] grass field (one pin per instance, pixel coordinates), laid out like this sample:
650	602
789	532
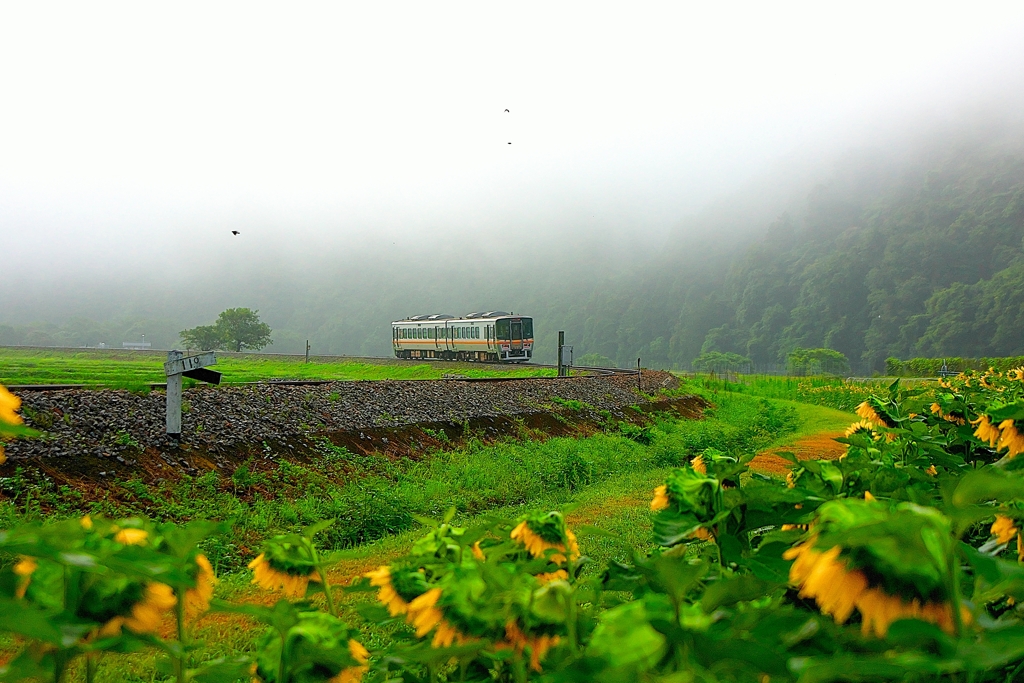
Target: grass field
137	370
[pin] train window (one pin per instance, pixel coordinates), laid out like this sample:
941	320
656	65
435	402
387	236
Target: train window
476	332
503	329
527	328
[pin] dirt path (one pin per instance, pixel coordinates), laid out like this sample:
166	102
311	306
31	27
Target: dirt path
821	446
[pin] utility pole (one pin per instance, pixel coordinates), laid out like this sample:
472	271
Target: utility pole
638	374
307	350
561	343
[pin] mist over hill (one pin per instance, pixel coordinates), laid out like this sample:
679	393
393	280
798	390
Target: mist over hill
907	245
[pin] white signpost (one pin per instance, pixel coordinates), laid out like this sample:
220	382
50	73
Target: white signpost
177	366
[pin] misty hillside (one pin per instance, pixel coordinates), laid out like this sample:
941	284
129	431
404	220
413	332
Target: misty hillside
927	263
891	255
914	249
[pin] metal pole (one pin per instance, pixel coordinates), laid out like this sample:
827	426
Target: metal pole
174	399
638	374
561	343
307	350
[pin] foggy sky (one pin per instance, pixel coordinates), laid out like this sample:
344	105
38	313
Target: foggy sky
134	137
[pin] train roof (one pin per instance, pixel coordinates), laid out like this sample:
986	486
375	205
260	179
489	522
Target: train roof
437	317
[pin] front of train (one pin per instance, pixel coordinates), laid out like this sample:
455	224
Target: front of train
514	338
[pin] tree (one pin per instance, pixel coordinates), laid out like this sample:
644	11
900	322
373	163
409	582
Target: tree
203	337
594	360
716	361
235	329
817	362
242	329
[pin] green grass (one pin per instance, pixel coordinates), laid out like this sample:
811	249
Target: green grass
136	370
833	392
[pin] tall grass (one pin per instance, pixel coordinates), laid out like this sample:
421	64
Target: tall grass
832	392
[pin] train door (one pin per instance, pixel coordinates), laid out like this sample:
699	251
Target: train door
437	338
517	334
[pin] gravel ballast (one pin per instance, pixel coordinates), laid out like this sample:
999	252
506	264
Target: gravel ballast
109	423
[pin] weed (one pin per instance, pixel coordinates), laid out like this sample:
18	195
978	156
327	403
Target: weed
123	438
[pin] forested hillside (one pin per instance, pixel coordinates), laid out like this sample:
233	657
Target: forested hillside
893	255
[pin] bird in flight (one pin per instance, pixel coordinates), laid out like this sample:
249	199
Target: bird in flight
235	232
508	112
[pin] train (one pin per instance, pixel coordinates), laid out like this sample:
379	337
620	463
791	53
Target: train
489	336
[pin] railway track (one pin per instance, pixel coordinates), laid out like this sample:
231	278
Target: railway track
453	377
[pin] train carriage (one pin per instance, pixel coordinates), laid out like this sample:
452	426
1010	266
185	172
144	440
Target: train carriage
489	336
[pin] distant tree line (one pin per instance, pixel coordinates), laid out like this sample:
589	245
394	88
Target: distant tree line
931	367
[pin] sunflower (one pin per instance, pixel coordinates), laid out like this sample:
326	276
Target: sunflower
1010	439
478	553
447	634
197	600
387	595
838	590
699	465
1003	529
661	501
931	471
287	580
560	574
145	615
538	644
424	615
986	431
1016	373
9	404
131	536
353	674
866	411
948	417
24	568
537	545
860	426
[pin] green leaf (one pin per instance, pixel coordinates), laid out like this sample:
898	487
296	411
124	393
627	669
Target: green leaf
625	639
987	484
732	590
222	670
18	616
313	529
